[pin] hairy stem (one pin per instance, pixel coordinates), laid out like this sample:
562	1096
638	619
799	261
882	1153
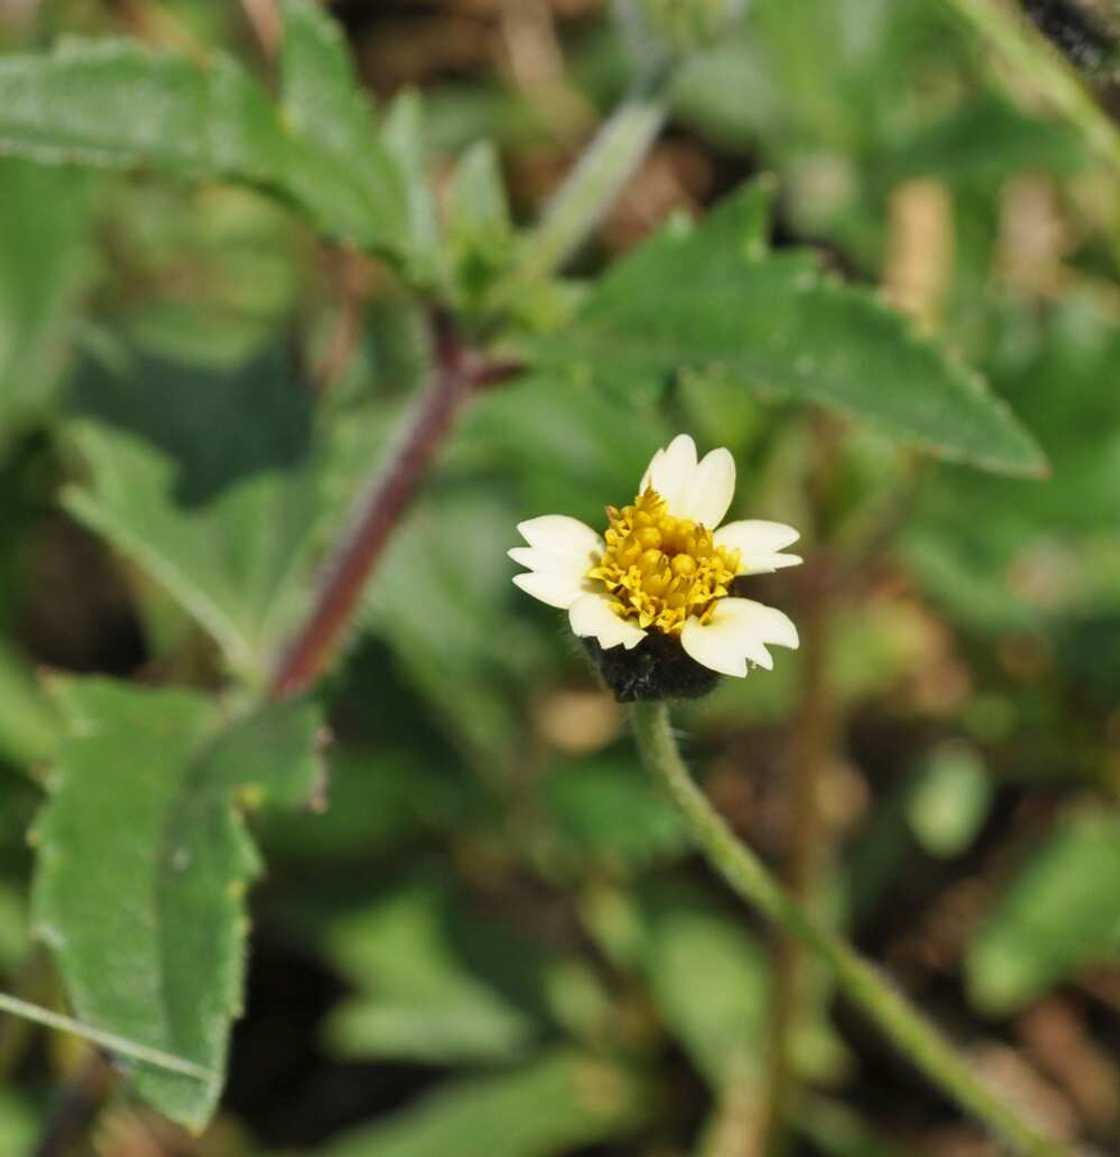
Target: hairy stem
1028	51
378	510
590	190
914	1036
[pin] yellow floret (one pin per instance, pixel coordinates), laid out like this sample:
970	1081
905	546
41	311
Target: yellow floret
662	570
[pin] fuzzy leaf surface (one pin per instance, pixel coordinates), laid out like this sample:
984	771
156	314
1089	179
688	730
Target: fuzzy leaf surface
43	218
143	864
117	104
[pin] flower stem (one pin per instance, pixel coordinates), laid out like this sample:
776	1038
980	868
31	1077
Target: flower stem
915	1036
1010	33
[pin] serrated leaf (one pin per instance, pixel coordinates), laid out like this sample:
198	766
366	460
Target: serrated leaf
558	1104
117	104
707	297
1061	913
204	480
143	864
43	219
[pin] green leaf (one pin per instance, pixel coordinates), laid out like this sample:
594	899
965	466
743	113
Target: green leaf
573	448
243	252
321	96
206	481
143	864
1060	914
403	137
609	811
424	1003
28	725
479	228
43	219
558	1104
13	928
116	104
332	122
711	297
987	141
949	801
970	536
722	1022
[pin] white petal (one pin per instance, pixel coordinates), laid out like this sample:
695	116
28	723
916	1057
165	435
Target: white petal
560	534
647	477
534	558
563	550
771	625
738	631
671	471
592	616
555	588
713	487
758	543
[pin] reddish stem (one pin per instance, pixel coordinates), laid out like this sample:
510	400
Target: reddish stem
378	510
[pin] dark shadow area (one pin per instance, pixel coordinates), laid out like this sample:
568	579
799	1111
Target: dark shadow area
220	426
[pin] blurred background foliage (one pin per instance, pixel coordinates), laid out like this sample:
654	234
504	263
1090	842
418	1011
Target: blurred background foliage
488	935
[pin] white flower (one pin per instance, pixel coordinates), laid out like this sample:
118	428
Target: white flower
663	566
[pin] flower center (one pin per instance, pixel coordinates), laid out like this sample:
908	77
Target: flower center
662	569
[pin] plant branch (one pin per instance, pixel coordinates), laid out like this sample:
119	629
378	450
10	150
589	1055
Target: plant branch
1028	51
915	1036
379	508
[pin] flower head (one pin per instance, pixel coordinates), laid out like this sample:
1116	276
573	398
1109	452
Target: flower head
659	585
